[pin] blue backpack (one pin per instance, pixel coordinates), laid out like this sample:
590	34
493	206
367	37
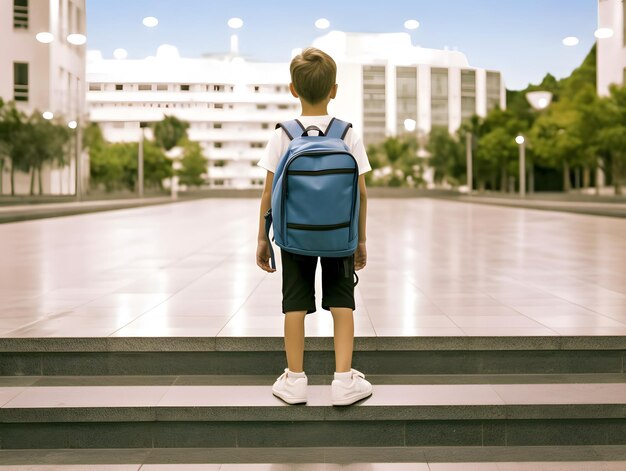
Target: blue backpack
315	193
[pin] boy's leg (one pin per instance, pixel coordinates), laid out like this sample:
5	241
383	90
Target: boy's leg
343	321
298	300
294	340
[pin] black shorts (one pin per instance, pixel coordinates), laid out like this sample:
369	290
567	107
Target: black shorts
299	282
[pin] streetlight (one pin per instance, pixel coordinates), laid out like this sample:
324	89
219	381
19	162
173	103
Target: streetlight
76	39
522	165
411	24
234	24
539	100
150	21
322	23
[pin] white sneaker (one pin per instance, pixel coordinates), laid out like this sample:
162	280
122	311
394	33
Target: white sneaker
289	389
345	393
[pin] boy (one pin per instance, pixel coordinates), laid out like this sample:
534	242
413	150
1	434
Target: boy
313	75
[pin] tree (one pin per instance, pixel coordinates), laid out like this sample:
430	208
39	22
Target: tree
612	135
194	164
445	155
397	156
169	131
12	136
555	141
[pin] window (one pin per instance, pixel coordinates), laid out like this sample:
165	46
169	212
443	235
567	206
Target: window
217	125
95	87
145	87
439	96
218	88
20	81
217	145
219	106
261	107
256	145
218	182
406	96
119	86
256	89
265	126
283	107
493	90
468	93
161	87
184	88
119	125
20	14
219	163
374	103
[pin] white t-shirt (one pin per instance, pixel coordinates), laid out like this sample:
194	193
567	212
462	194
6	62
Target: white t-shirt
278	143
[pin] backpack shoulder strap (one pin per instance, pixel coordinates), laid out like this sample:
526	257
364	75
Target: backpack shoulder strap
292	128
337	128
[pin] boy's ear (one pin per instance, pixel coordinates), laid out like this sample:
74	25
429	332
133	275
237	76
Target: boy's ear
292	89
333	91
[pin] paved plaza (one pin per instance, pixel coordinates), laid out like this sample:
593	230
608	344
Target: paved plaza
435	268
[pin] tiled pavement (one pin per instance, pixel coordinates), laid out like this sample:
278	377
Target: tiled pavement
435	268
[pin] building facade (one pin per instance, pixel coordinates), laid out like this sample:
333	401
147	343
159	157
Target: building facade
384	81
232	104
43	76
611	52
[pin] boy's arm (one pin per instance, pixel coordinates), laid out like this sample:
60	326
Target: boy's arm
263	250
360	258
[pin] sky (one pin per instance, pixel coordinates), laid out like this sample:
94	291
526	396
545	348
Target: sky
520	38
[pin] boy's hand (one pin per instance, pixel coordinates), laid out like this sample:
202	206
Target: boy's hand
263	256
360	256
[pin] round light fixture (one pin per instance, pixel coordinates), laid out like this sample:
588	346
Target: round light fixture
120	53
519	139
150	21
411	24
76	39
603	33
410	124
44	37
322	23
235	23
72	124
47	115
570	41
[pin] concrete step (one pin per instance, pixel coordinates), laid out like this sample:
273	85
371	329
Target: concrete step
581	458
397	415
265	355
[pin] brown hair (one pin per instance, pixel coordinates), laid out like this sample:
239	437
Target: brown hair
313	74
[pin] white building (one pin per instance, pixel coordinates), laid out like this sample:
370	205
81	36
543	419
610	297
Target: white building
232	104
384	80
611	52
43	76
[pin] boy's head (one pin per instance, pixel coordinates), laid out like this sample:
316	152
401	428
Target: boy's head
313	75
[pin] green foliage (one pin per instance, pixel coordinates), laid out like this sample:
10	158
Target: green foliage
169	131
114	166
396	160
194	164
445	155
29	142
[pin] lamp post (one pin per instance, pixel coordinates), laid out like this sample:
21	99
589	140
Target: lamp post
468	156
77	39
539	100
234	24
522	165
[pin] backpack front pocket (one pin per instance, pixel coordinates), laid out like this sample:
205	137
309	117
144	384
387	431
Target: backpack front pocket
319	237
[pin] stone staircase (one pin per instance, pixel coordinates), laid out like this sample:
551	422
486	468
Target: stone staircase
503	396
